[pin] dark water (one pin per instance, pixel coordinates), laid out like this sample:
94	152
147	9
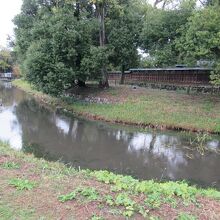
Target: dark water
30	127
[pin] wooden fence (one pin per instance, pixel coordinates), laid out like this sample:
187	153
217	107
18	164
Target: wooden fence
186	76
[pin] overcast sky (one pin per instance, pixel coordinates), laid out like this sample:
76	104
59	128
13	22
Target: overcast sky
8	9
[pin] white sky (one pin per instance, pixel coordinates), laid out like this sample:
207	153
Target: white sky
8	10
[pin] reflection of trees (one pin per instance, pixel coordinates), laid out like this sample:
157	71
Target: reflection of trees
154	137
9	95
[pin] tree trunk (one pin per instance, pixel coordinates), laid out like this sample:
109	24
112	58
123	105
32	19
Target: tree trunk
80	83
122	80
101	15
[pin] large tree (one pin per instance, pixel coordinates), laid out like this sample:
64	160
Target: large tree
123	36
200	39
57	41
161	28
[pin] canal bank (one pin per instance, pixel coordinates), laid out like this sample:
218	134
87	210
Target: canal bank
55	191
146	108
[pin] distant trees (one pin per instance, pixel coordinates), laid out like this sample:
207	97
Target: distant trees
200	39
161	28
6	60
185	34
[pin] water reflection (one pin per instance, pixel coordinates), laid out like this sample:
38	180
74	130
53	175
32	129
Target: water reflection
10	130
32	127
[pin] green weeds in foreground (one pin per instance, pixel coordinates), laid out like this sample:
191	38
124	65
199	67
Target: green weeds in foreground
185	216
95	217
10	165
22	184
155	194
91	194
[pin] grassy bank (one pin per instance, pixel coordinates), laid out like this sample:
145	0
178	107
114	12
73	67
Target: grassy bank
33	188
145	107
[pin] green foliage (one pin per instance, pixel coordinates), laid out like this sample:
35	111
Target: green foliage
215	76
109	200
185	216
200	39
123	35
22	184
41	70
153	200
95	217
89	193
51	44
67	197
58	43
179	189
161	29
6	60
93	62
200	142
10	165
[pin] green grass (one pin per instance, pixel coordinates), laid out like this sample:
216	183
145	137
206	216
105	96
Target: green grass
157	112
161	109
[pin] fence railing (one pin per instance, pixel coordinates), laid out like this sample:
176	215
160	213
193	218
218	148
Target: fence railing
198	76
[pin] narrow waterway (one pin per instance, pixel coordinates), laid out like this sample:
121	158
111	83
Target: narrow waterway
30	127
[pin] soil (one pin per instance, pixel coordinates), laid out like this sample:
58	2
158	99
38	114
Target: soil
43	199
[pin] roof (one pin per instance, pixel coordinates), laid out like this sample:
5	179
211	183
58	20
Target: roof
171	69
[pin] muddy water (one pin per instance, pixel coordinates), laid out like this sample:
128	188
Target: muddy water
31	127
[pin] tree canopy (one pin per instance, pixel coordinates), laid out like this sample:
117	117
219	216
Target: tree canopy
61	42
6	60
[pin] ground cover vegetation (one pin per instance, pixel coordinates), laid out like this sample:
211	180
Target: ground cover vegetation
59	43
55	191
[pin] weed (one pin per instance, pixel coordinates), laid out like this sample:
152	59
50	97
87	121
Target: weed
10	165
144	212
95	217
123	199
90	193
171	201
153	200
185	216
22	184
200	142
154	218
67	197
109	200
